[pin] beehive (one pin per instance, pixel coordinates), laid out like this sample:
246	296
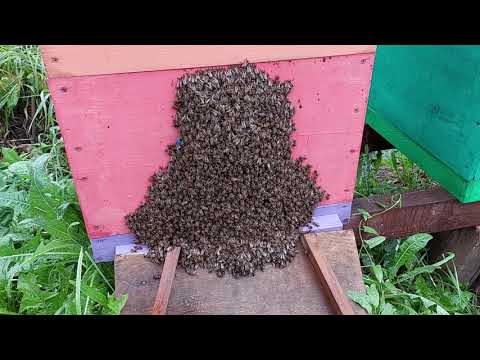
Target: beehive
425	100
114	107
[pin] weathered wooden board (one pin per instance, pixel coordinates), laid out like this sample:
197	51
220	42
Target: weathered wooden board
166	281
429	211
465	244
81	60
116	129
293	290
331	287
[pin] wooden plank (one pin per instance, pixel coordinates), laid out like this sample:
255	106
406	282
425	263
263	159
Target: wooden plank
81	60
166	282
331	286
476	286
124	122
463	190
428	211
293	290
465	244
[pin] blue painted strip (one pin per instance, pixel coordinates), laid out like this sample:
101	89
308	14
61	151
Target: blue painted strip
104	248
343	210
323	223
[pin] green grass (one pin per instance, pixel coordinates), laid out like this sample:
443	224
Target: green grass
400	280
387	172
25	107
46	263
398	276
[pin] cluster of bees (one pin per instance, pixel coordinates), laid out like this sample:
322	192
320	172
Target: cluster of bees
231	196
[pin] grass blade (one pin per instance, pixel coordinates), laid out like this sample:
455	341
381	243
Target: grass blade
78	282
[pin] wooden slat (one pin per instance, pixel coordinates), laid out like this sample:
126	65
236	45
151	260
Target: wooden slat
166	282
295	290
81	60
428	211
330	283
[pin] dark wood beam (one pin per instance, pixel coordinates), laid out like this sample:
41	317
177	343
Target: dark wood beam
429	211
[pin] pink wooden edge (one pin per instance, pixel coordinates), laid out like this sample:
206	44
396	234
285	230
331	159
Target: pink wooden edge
81	60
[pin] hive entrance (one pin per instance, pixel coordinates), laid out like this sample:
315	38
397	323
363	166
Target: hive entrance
231	196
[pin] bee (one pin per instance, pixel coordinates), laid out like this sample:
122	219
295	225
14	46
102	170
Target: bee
231	195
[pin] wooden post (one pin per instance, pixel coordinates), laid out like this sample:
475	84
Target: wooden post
166	282
465	244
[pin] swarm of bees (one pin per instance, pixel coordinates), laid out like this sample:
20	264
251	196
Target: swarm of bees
231	196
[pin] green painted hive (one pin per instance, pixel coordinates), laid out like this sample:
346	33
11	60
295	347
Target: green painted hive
425	100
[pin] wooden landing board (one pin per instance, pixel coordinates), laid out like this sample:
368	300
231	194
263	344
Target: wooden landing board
339	300
294	290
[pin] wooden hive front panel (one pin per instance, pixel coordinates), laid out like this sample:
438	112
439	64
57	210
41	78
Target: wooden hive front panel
117	126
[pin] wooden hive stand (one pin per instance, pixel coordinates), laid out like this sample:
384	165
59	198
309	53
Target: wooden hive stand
316	282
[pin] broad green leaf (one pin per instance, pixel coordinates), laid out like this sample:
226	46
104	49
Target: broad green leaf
20	168
361	299
378	272
45	199
45	249
17	200
375	241
424	269
10	155
3	180
441	311
14	237
369	230
116	305
6	216
391	288
364	214
94	293
408	250
373	295
33	297
428	303
388	309
14	96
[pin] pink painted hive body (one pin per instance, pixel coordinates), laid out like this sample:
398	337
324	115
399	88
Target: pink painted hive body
117	126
